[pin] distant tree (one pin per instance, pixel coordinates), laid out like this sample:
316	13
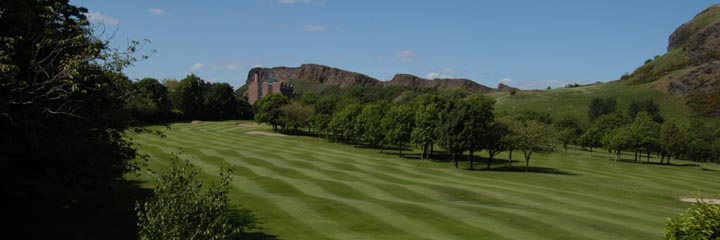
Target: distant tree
398	124
601	106
702	221
220	102
295	115
188	96
267	109
495	140
451	132
149	101
649	106
343	122
569	130
425	132
591	138
511	138
370	120
179	208
645	133
527	115
476	112
244	109
619	140
701	139
534	136
324	109
672	140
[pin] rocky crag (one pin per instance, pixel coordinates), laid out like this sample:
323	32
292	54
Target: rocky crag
691	67
338	77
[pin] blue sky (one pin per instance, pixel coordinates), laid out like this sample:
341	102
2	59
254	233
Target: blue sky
528	44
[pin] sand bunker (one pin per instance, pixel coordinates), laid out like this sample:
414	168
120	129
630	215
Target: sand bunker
195	122
706	200
246	124
265	133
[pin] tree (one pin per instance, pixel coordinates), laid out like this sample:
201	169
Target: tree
511	137
63	96
450	131
534	136
188	96
426	124
495	140
220	102
569	130
702	222
672	140
592	137
268	109
601	106
180	209
370	120
149	101
295	115
398	124
649	106
620	139
476	112
343	122
645	134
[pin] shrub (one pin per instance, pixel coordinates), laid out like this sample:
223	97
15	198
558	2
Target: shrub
702	221
179	209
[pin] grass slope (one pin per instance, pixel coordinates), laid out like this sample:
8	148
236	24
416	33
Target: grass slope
309	188
575	101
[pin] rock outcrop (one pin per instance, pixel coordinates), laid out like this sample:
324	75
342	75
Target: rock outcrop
505	88
699	38
338	77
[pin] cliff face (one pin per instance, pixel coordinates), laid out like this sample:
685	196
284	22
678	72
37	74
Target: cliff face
691	67
338	77
313	72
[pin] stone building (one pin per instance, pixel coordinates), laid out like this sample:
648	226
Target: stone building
259	89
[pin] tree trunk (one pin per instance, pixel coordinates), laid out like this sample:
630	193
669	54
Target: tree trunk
432	149
453	160
401	150
565	146
489	160
527	161
648	157
636	157
470	159
668	159
617	155
381	148
510	158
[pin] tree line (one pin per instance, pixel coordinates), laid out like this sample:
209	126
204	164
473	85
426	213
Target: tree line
190	98
461	125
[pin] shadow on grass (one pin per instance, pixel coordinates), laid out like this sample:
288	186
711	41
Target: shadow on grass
256	236
55	211
543	170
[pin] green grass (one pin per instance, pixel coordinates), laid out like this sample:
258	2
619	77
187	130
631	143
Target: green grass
575	101
309	188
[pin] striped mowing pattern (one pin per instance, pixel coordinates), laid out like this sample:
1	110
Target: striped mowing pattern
309	188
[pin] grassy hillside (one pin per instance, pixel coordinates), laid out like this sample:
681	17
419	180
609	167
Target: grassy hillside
575	101
309	188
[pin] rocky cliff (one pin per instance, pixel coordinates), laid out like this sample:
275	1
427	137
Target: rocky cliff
338	77
691	67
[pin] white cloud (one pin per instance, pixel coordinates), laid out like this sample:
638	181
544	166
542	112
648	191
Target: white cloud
406	55
157	12
314	28
101	18
258	66
293	1
442	73
212	80
232	65
197	66
506	80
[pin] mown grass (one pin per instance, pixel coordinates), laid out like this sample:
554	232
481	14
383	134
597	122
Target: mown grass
310	188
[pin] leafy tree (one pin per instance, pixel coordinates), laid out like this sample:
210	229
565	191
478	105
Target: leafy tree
188	96
645	133
527	115
495	140
398	124
569	130
592	137
268	109
324	109
511	137
649	106
534	136
295	115
343	122
425	132
220	102
370	120
601	106
476	112
180	209
451	132
244	109
701	222
672	140
150	101
62	96
620	139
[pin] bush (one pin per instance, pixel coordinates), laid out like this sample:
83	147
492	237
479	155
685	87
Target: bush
179	209
702	221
